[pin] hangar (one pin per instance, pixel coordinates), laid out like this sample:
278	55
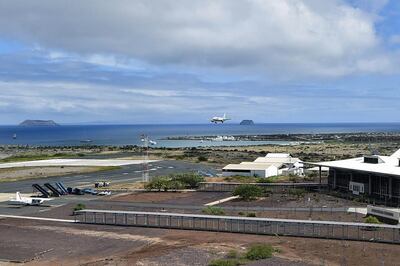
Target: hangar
272	164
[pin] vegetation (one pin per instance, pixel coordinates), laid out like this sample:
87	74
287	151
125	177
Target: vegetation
40	156
79	206
297	192
213	210
225	262
174	182
248	192
248	214
371	220
255	252
260	251
202	158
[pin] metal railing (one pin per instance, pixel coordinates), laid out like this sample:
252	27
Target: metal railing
246	225
274	187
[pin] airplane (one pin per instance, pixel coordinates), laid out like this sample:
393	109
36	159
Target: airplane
218	119
28	201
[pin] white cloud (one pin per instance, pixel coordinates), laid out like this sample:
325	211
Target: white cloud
285	37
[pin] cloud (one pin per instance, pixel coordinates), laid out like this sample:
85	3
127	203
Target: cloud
275	38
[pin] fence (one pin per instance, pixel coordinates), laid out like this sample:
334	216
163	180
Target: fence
274	187
246	225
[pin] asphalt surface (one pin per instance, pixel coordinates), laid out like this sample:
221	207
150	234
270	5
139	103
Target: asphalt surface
129	173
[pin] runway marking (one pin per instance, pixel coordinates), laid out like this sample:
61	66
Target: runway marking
36	218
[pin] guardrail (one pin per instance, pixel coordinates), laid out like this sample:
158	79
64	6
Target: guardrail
228	186
246	225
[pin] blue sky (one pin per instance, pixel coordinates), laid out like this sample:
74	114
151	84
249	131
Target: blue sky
186	61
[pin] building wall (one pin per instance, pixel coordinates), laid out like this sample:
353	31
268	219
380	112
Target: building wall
382	188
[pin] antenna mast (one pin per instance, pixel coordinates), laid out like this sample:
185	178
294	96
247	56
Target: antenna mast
145	164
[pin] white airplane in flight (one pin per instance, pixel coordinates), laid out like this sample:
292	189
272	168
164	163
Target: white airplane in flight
28	201
219	119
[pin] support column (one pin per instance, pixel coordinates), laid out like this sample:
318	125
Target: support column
390	187
334	179
320	174
369	184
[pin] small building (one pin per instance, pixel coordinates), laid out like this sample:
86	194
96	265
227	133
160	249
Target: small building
371	176
272	164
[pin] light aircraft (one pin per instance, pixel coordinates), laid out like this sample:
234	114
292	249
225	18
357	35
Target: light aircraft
28	201
219	119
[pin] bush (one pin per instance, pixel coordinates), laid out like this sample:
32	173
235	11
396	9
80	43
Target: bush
190	180
248	192
251	214
202	158
259	252
212	210
298	192
79	206
372	220
224	262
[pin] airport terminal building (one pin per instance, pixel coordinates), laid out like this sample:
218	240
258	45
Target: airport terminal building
374	177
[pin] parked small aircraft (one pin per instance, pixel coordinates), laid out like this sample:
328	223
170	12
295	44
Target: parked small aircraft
219	119
28	201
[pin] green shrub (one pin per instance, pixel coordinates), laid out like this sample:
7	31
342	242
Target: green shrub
224	262
259	252
79	206
190	180
232	254
213	210
174	182
298	192
248	192
202	158
372	220
251	214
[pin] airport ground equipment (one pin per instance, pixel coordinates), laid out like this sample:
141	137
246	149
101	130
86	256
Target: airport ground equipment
41	190
61	186
77	191
62	192
55	192
101	184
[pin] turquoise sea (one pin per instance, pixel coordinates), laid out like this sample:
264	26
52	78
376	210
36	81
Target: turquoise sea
67	135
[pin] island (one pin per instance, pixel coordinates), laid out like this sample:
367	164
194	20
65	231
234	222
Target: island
32	123
247	122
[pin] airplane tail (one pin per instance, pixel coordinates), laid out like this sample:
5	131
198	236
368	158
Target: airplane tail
18	196
224	115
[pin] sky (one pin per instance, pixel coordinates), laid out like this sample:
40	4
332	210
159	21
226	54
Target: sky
179	61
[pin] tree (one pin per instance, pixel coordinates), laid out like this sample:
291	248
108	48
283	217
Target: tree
248	192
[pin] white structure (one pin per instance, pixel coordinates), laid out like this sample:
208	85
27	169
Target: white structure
272	164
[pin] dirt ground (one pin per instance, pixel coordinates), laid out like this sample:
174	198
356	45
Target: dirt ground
21	173
292	201
50	243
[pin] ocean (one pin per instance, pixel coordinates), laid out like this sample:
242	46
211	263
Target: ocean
72	135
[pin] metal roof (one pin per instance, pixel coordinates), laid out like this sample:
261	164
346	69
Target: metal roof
389	165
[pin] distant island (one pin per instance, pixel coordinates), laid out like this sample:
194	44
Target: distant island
47	123
247	123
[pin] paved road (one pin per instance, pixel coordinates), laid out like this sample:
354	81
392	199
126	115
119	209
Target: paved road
125	174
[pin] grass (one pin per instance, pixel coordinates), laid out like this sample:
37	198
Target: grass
37	157
254	253
62	172
213	210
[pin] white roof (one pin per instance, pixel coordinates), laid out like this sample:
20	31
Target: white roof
388	165
277	155
248	166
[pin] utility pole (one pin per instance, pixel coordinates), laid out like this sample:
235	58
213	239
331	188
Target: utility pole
145	164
